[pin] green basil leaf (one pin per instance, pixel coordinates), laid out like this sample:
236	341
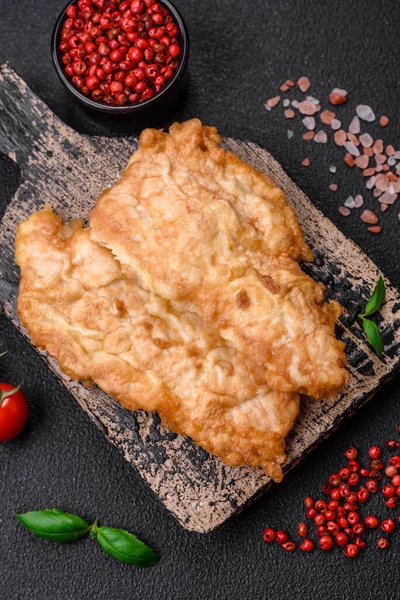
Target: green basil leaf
54	524
126	547
377	298
374	335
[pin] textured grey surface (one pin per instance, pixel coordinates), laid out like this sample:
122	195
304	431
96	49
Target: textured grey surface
240	53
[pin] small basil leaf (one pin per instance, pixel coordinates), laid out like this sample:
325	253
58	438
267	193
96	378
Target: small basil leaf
373	334
377	298
54	524
126	547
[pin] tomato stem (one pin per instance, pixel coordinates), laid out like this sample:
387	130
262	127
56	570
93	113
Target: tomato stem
4	395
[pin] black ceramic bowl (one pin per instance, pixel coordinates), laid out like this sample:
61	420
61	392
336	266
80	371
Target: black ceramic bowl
169	90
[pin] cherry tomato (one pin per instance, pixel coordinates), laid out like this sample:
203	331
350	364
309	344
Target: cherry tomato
14	412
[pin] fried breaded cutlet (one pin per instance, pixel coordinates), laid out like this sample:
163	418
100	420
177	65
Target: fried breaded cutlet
208	232
102	325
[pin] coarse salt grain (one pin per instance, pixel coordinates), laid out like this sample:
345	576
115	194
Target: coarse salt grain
354	126
397	154
289	134
306	162
384	120
368	152
295	103
289	83
340	138
376	229
327	116
336	124
377	193
332	169
308	135
365	113
333	187
384	207
321	137
335	98
309	122
370	183
307	108
272	102
286	102
289	113
358	201
312	99
303	84
350	147
391	161
349	202
339	91
388	198
362	161
284	87
369	217
344	211
366	140
390	150
378	147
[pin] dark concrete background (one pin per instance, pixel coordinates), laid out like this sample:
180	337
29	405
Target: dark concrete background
240	54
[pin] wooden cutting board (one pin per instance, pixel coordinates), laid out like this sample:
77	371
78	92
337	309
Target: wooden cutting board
69	171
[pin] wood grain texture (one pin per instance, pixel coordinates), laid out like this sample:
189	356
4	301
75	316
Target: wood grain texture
69	171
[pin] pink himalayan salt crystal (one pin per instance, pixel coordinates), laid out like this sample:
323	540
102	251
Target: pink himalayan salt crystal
354	126
333	187
375	229
303	84
339	91
309	122
381	183
344	211
335	124
362	161
369	217
387	198
321	137
370	183
350	147
358	201
380	159
340	137
365	113
349	203
308	108
289	113
272	102
384	207
377	193
366	140
327	116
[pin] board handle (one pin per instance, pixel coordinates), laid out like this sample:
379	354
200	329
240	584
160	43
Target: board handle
25	121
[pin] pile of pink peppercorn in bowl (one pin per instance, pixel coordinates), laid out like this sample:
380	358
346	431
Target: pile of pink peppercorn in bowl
120	56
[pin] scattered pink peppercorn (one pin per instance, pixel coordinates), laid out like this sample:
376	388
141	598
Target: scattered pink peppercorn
307	545
269	535
351	551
